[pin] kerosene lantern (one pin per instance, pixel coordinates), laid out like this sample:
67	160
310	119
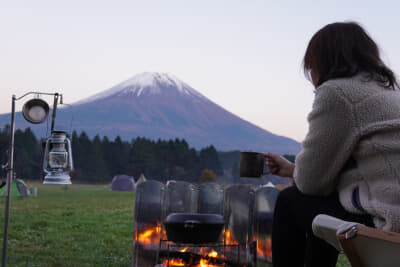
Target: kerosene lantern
57	161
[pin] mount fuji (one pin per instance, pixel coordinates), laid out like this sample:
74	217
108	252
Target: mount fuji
160	106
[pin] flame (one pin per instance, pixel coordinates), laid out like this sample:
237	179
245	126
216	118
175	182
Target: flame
174	262
204	261
264	248
213	254
228	237
184	249
205	253
150	236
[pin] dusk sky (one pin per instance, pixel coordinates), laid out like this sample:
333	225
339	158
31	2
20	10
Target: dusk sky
244	55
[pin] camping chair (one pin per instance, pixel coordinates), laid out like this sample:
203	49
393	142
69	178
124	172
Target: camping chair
364	246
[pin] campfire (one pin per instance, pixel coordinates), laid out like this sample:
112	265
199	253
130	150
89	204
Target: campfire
194	256
160	241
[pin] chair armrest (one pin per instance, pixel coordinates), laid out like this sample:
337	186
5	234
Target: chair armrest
328	228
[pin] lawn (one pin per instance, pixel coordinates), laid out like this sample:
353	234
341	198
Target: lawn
76	225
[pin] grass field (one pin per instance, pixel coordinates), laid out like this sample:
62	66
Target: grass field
77	225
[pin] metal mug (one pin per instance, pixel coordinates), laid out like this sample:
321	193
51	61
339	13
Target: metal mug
252	164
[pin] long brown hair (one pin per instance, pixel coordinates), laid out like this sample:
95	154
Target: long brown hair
344	49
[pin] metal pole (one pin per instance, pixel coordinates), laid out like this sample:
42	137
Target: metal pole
53	116
9	180
10	166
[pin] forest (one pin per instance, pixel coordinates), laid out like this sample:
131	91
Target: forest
97	160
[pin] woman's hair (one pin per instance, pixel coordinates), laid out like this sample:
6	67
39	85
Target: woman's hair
344	49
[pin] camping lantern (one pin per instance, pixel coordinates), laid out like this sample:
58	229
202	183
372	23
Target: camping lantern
57	161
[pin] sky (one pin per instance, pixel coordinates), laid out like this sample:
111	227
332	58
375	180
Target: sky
245	56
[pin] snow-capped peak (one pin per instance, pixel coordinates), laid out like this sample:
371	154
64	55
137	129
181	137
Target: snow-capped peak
147	79
147	83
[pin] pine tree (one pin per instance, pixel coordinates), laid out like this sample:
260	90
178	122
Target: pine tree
96	168
209	160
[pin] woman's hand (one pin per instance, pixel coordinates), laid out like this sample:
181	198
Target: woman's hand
278	165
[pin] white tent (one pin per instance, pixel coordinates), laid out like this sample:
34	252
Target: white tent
141	179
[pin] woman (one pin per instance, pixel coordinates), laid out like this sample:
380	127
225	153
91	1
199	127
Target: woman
349	166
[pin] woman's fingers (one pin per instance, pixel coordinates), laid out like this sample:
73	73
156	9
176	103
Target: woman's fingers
277	164
271	162
273	166
274	170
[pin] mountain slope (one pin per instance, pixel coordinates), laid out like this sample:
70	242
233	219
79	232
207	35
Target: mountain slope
159	105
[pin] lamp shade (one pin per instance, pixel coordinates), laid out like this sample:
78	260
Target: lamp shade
35	110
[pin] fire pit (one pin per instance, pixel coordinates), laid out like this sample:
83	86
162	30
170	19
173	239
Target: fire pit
200	255
244	213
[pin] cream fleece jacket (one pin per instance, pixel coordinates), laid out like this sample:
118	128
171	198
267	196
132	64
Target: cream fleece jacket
354	141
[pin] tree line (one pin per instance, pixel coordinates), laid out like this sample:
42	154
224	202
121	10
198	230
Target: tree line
98	159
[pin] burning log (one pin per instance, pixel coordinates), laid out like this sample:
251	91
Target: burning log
187	258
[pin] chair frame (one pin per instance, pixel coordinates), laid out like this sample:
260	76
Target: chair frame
361	230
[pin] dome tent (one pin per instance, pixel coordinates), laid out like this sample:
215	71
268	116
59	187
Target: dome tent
18	188
123	183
